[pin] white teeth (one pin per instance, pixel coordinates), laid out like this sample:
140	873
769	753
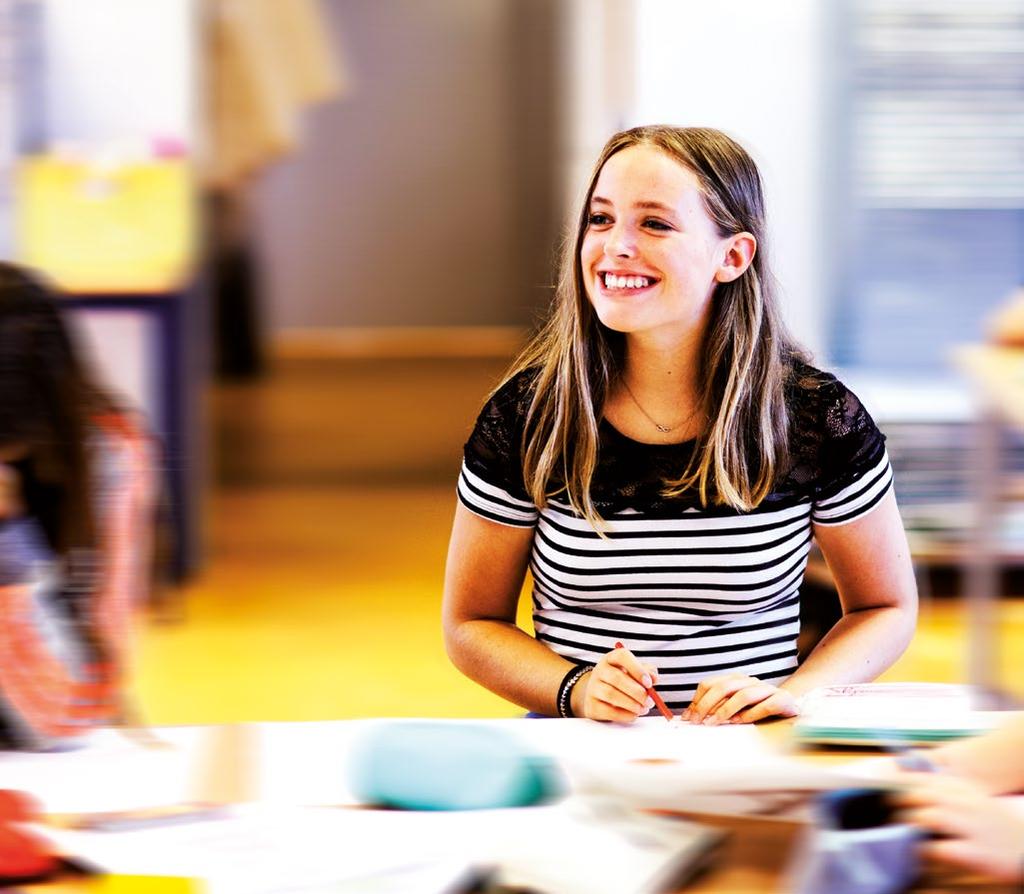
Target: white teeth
611	281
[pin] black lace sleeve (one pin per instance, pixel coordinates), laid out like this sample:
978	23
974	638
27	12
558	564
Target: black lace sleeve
491	483
852	445
839	450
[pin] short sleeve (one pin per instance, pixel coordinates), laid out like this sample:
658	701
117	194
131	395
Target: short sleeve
491	480
855	469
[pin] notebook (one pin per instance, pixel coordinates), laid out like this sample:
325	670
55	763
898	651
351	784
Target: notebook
892	714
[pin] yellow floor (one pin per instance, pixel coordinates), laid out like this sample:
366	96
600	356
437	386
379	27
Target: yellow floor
327	525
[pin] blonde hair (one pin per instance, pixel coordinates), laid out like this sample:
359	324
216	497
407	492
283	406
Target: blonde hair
746	354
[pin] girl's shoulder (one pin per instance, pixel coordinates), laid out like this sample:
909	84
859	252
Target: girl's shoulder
509	403
516	389
831	433
494	448
807	381
819	403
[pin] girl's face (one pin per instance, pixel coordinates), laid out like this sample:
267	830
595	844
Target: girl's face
651	255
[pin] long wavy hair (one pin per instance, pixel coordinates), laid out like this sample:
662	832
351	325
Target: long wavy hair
745	360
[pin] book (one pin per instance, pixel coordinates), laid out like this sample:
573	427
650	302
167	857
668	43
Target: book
892	714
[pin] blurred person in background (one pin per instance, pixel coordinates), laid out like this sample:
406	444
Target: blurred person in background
660	456
75	498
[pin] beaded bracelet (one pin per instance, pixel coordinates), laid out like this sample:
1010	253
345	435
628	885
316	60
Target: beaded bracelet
564	698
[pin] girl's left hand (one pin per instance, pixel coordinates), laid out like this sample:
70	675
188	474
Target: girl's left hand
737	698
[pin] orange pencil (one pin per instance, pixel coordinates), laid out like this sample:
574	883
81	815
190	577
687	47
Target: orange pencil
659	702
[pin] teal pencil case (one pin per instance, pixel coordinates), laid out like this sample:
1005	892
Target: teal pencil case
449	766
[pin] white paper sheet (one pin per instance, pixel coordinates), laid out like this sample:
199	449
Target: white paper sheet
106	771
262	849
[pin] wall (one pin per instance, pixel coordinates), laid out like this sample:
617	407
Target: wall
117	73
120	70
598	83
426	195
756	70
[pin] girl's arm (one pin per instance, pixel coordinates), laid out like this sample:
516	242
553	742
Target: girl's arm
484	574
870	562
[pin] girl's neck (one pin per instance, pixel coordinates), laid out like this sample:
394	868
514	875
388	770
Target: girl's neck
663	370
657	399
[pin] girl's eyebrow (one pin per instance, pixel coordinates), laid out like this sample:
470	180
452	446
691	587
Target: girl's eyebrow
648	204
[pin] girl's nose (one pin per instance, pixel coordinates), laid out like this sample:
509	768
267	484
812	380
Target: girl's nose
620	244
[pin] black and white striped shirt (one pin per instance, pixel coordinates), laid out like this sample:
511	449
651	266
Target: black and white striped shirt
695	591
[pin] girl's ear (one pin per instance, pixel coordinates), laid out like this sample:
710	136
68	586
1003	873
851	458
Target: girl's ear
739	253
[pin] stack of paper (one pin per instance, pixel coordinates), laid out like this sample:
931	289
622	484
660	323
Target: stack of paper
892	714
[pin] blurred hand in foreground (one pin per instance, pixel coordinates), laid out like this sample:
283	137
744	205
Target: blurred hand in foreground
975	830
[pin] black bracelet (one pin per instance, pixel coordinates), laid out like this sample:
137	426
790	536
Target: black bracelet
564	698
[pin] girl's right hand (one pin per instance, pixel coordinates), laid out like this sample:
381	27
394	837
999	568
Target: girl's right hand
616	688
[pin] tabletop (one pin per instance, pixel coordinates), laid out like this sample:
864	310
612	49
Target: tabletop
755	856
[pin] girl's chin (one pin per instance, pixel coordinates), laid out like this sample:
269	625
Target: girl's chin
614	315
620	323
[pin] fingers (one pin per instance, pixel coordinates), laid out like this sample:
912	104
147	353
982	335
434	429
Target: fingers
938	791
944	805
645	674
779	704
737	698
939	820
711	694
977	831
617	688
953	851
990	854
747	697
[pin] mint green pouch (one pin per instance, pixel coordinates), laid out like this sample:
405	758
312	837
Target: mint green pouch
449	766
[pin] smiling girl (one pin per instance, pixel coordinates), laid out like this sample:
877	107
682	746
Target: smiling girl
660	457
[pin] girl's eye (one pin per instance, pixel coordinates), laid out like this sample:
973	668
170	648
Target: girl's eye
655	224
597	219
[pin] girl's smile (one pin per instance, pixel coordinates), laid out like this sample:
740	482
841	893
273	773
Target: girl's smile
621	283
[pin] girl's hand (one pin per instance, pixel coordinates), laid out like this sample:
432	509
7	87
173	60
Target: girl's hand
979	832
737	698
616	688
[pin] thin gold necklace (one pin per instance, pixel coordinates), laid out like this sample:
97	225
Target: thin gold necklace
664	429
